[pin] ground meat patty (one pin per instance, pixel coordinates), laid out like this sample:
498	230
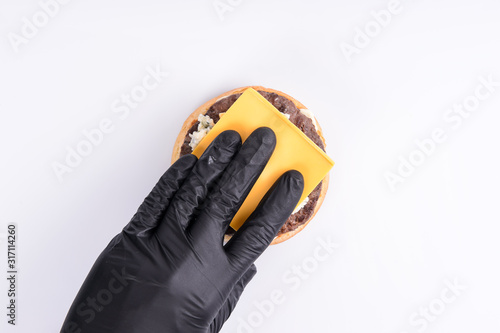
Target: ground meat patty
303	122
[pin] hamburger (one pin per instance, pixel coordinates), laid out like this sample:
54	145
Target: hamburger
201	121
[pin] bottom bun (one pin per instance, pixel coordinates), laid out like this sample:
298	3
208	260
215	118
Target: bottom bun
193	119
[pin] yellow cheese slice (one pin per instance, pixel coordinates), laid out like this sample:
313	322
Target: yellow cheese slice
294	150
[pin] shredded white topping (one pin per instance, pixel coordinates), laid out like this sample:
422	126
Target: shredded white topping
309	115
302	205
205	125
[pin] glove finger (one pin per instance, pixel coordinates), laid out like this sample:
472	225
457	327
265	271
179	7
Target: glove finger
204	174
230	303
262	226
155	204
233	187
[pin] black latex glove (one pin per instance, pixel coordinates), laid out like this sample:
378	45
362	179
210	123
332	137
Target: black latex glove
168	270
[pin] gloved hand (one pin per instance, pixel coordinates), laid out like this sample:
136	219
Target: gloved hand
168	270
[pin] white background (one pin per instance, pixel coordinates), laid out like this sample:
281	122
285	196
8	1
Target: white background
396	248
